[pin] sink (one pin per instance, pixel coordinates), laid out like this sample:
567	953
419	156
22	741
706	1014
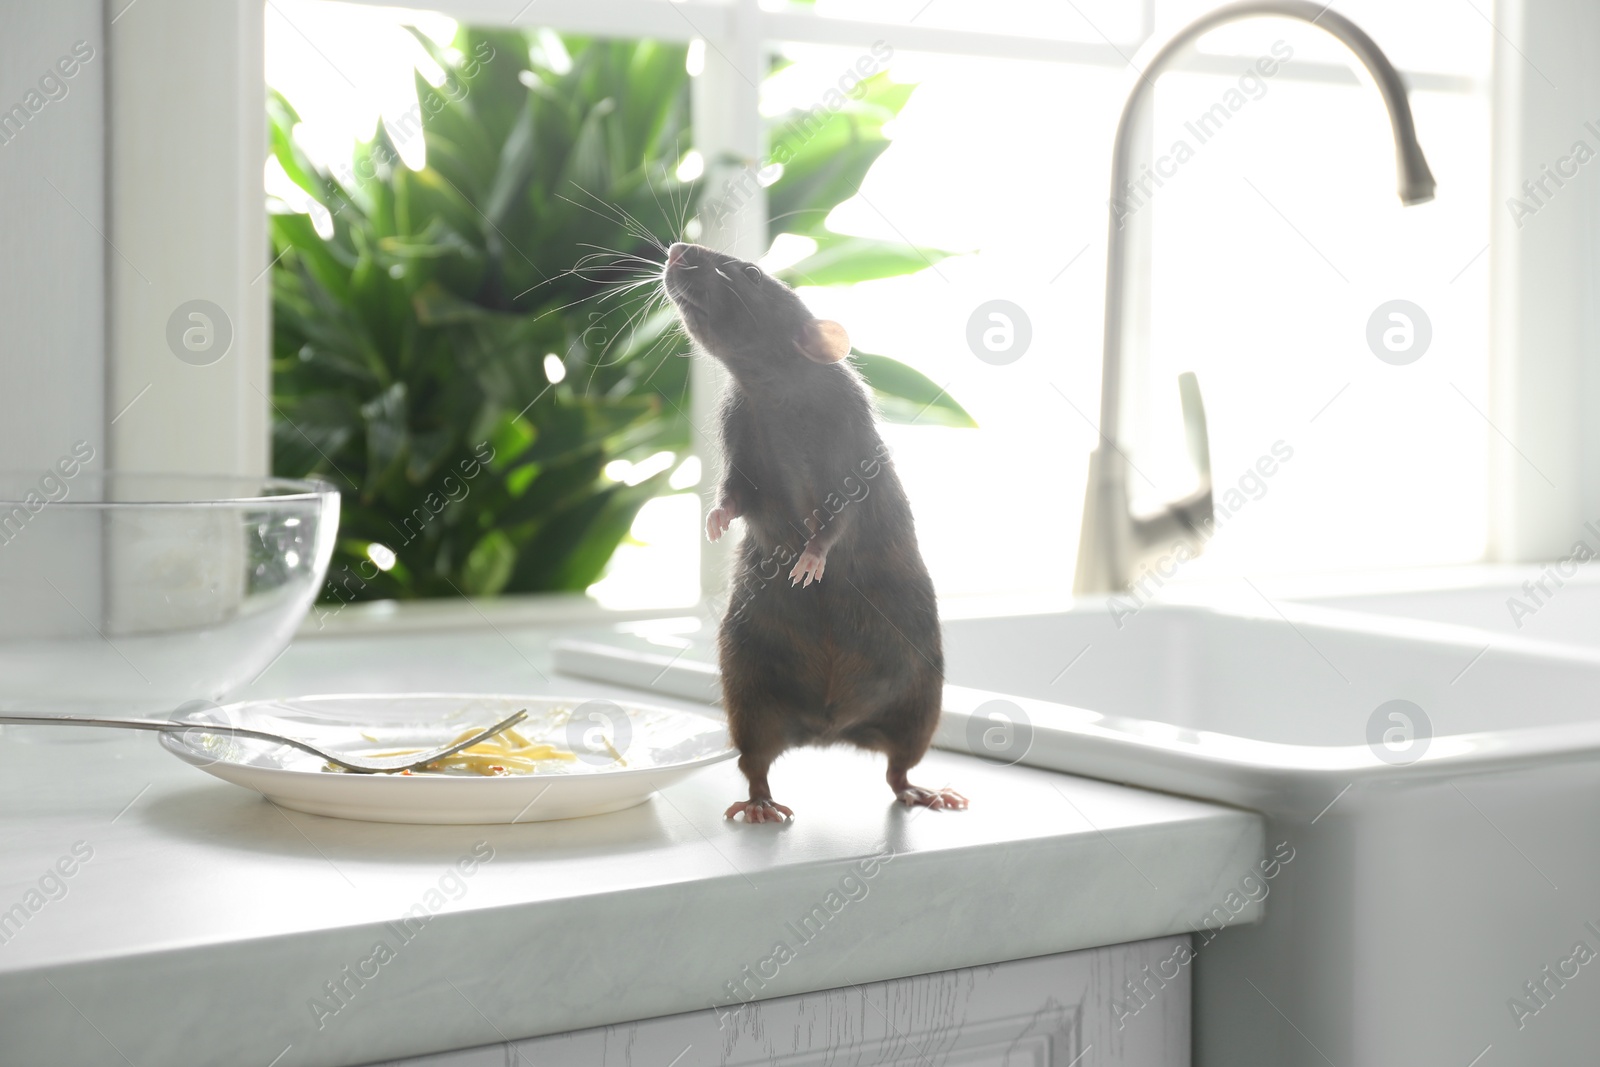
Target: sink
1429	884
1441	860
1295	676
1541	603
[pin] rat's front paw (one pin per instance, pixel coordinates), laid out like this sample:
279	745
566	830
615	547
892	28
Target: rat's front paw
808	568
759	811
937	799
718	521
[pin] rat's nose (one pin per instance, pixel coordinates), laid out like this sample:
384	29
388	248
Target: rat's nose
676	252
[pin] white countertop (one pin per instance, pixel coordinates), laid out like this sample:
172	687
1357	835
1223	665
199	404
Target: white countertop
205	922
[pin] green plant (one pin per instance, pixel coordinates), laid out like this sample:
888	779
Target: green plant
410	343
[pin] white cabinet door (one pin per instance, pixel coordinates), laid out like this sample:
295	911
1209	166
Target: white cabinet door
1094	1008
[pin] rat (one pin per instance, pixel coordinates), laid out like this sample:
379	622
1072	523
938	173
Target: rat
831	634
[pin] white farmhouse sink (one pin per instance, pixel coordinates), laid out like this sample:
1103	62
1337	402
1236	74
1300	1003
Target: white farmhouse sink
1422	895
1299	676
1542	603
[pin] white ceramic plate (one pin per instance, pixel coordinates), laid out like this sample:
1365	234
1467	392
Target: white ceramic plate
659	746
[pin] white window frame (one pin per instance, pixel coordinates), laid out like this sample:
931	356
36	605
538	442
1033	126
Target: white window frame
209	237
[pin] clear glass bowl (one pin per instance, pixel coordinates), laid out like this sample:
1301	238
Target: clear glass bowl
137	593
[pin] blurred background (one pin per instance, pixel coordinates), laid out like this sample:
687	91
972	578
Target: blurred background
458	195
1269	250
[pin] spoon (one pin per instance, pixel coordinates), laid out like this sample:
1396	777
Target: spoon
359	764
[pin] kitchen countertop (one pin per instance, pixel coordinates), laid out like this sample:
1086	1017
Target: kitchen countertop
201	924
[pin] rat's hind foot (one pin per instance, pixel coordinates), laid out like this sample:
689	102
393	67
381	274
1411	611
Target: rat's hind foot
938	799
718	521
913	796
763	811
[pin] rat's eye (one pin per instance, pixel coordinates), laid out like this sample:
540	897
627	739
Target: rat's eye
752	272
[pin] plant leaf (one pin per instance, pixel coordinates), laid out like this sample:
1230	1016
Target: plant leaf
908	396
845	260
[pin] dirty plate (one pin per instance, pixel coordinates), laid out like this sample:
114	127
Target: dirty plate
621	753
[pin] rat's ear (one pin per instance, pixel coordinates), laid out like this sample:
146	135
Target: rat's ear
823	341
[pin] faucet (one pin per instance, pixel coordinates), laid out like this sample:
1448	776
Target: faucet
1116	543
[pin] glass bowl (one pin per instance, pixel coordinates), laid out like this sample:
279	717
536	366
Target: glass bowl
133	594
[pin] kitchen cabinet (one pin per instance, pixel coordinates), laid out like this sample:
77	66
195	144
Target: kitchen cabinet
1101	1006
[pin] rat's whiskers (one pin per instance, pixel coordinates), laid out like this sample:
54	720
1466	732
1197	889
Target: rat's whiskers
626	221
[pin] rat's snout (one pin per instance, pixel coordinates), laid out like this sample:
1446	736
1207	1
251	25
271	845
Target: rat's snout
676	275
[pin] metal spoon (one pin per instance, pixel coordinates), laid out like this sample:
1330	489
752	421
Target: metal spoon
360	764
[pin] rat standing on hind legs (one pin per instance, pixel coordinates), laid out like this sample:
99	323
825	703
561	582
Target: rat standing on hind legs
832	630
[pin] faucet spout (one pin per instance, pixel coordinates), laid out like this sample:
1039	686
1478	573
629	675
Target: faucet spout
1114	542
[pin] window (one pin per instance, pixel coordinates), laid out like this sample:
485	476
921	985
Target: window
1268	252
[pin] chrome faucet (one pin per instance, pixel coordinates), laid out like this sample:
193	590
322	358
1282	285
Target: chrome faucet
1116	543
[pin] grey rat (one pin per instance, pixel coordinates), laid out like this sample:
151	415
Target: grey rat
831	634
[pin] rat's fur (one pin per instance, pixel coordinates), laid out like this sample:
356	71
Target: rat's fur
852	655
